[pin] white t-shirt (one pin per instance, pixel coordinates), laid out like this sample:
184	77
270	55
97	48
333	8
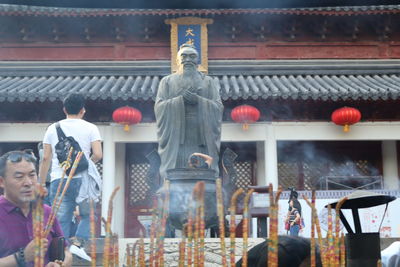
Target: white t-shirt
391	255
82	131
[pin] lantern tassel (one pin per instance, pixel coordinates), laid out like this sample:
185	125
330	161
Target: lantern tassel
126	127
245	126
346	128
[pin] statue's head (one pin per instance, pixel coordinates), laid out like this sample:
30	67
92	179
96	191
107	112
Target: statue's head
188	57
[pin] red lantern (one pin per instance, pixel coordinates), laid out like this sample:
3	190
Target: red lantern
346	116
245	114
127	116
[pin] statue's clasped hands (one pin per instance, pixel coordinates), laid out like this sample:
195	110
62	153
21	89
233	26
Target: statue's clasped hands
190	97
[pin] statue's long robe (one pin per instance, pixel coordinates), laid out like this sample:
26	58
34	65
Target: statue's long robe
171	122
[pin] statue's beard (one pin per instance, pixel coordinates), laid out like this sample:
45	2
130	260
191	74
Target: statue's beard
188	67
188	79
189	72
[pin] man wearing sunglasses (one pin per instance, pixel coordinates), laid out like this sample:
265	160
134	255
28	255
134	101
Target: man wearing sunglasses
18	178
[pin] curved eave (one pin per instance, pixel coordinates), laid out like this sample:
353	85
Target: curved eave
21	10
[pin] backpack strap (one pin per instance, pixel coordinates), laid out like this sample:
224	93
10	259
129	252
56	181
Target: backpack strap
60	133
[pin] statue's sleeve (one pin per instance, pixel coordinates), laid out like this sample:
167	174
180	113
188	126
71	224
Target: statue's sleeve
169	112
212	108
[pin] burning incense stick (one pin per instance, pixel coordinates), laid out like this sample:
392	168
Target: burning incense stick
313	259
38	216
318	228
196	233
182	246
221	219
246	216
128	255
57	206
112	252
65	166
142	260
190	233
92	234
153	231
337	230
232	226
331	252
115	250
202	225
107	240
342	251
133	264
273	244
160	251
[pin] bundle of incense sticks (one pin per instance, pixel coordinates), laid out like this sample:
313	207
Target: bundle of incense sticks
196	233
112	252
202	225
153	231
115	250
246	216
107	240
128	255
313	251
232	227
142	260
190	232
133	263
221	220
318	228
182	247
56	206
65	166
342	251
337	230
92	234
273	240
160	241
330	251
38	216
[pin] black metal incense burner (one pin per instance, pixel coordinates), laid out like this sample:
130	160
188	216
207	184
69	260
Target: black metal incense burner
362	249
182	182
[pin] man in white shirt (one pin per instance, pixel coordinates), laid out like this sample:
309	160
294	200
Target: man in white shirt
88	137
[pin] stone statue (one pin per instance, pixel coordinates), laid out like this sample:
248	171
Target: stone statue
188	112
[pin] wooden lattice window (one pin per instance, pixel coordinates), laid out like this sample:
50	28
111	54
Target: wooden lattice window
312	173
287	172
244	174
138	186
307	165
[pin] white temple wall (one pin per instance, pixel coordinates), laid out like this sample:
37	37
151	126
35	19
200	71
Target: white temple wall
265	134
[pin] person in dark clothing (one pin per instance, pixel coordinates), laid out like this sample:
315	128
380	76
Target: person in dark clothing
294	217
293	251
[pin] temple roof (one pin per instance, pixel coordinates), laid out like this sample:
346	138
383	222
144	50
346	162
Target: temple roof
138	80
24	10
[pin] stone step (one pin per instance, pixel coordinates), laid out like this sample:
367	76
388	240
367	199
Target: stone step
171	248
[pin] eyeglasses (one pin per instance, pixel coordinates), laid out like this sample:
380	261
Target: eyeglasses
16	156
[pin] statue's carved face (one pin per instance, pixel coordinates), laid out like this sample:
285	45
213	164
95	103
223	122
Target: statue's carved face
188	58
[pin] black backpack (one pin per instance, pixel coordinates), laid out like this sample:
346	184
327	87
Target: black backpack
62	150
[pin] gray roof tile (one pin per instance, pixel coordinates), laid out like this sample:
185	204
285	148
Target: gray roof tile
302	80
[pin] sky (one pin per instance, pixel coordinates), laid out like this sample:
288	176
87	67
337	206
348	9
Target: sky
194	4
